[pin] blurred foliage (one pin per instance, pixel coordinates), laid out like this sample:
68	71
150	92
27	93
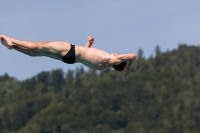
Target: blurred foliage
162	95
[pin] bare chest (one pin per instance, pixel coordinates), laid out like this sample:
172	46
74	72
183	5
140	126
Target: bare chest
94	58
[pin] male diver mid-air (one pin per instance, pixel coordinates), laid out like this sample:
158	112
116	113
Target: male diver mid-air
68	53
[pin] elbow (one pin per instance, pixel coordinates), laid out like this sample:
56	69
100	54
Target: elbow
133	56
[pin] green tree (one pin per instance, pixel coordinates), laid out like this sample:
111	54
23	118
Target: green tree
57	79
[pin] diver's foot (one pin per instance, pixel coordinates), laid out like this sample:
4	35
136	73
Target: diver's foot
6	41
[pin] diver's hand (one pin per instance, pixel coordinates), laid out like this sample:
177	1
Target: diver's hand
91	39
125	74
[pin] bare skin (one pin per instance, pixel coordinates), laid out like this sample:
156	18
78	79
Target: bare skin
86	55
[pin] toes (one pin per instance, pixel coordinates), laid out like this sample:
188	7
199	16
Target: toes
4	42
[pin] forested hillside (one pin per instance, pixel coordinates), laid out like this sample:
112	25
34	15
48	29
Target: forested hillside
162	95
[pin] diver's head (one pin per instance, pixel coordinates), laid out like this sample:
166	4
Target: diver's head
120	67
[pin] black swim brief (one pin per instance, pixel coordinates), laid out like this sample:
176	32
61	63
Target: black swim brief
70	56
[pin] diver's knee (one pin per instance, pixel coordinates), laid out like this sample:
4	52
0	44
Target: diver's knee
37	45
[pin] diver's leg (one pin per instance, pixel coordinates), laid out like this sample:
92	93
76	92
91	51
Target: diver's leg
26	51
35	53
55	49
10	42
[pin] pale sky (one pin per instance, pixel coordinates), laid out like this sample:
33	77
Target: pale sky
121	26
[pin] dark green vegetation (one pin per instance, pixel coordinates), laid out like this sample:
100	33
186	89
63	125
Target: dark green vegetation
162	95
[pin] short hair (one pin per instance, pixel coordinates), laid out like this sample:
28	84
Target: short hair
120	67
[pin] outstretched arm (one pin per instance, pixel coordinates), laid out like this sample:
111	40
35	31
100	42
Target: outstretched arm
129	58
120	58
90	41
